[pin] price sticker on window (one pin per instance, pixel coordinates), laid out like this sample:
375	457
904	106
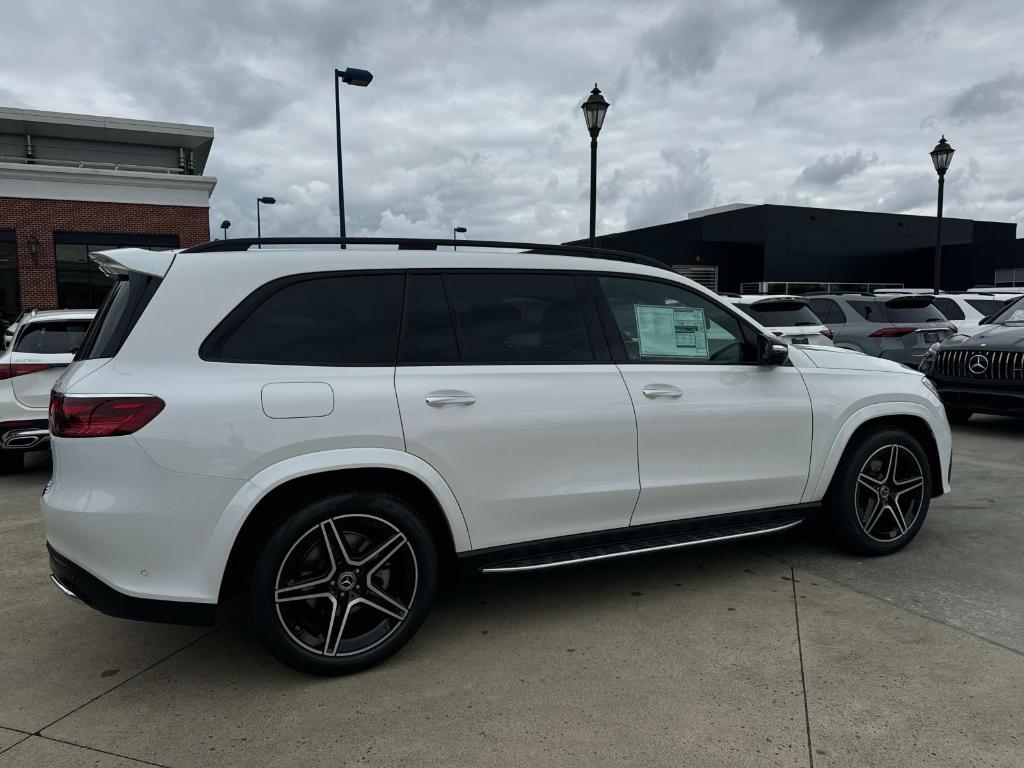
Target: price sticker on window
671	331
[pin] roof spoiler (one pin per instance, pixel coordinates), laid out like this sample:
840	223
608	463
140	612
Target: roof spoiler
125	261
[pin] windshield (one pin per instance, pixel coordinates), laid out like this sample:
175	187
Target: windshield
986	306
1013	313
781	313
902	310
54	338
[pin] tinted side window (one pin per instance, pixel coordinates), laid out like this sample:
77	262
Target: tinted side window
949	308
338	320
829	312
58	338
519	318
429	335
663	322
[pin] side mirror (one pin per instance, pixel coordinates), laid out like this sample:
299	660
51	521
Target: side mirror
772	351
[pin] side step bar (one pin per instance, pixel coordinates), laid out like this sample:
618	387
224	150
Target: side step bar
640	546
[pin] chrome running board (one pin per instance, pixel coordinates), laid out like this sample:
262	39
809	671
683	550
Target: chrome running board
639	547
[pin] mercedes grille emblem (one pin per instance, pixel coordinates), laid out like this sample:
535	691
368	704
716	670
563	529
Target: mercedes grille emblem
978	364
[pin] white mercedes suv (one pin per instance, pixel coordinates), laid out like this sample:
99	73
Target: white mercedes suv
324	431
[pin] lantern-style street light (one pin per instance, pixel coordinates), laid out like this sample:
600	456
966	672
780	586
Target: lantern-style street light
942	156
594	110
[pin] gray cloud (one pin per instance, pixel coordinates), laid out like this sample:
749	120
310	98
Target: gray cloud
838	23
829	170
999	96
688	43
473	116
686	185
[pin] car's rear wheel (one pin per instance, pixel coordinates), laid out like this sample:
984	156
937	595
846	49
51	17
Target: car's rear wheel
11	461
958	415
880	496
343	583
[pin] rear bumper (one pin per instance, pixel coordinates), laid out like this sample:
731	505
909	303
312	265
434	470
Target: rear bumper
24	435
909	357
78	584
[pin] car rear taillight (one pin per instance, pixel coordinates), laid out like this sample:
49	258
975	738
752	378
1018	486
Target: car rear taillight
20	369
827	333
892	332
72	416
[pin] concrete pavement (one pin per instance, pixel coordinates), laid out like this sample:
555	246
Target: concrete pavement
780	652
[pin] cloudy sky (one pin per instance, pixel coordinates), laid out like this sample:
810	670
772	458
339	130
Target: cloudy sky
473	116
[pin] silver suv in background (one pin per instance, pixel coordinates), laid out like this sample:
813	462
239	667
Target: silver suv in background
899	328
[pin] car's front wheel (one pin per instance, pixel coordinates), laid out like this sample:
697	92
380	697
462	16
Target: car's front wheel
880	495
343	583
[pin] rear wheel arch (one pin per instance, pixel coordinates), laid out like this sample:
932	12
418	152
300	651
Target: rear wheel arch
276	506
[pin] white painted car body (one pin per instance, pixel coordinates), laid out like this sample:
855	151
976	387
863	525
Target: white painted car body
24	397
543	451
818	334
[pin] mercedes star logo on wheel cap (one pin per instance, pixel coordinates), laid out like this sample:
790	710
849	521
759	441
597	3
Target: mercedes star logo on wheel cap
978	364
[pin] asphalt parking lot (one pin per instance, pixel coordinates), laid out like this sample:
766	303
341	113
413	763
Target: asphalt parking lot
779	652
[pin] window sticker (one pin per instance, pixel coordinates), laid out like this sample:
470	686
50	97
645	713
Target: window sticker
671	331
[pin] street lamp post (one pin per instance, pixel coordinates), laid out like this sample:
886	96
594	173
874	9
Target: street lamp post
349	76
455	231
594	109
226	224
259	228
942	156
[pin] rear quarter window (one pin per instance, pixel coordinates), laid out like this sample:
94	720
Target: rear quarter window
335	320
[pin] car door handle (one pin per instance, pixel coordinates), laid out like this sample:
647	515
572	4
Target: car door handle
449	398
662	390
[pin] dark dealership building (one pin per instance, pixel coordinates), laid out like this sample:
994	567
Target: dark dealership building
795	249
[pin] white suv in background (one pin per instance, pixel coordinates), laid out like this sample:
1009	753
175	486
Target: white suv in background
788	317
42	344
325	431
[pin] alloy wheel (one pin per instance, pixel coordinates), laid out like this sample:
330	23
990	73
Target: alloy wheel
890	493
346	585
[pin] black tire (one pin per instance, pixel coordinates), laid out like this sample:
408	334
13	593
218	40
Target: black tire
11	462
863	507
958	415
294	562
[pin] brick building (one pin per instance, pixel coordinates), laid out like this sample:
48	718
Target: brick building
71	184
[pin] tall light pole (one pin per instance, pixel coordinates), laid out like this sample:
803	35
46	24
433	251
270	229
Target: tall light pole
225	225
942	156
594	109
349	76
259	228
455	231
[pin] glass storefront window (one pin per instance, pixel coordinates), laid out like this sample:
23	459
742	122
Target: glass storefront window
9	300
80	284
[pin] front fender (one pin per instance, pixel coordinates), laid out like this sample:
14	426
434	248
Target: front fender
250	494
828	465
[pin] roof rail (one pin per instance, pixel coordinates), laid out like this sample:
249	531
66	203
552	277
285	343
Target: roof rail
428	244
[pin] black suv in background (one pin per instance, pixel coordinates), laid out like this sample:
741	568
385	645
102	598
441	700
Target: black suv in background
983	372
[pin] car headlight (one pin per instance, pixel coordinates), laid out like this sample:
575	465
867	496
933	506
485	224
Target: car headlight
931	385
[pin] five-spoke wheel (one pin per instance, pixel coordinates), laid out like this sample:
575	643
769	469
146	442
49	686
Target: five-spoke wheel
343	583
881	491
